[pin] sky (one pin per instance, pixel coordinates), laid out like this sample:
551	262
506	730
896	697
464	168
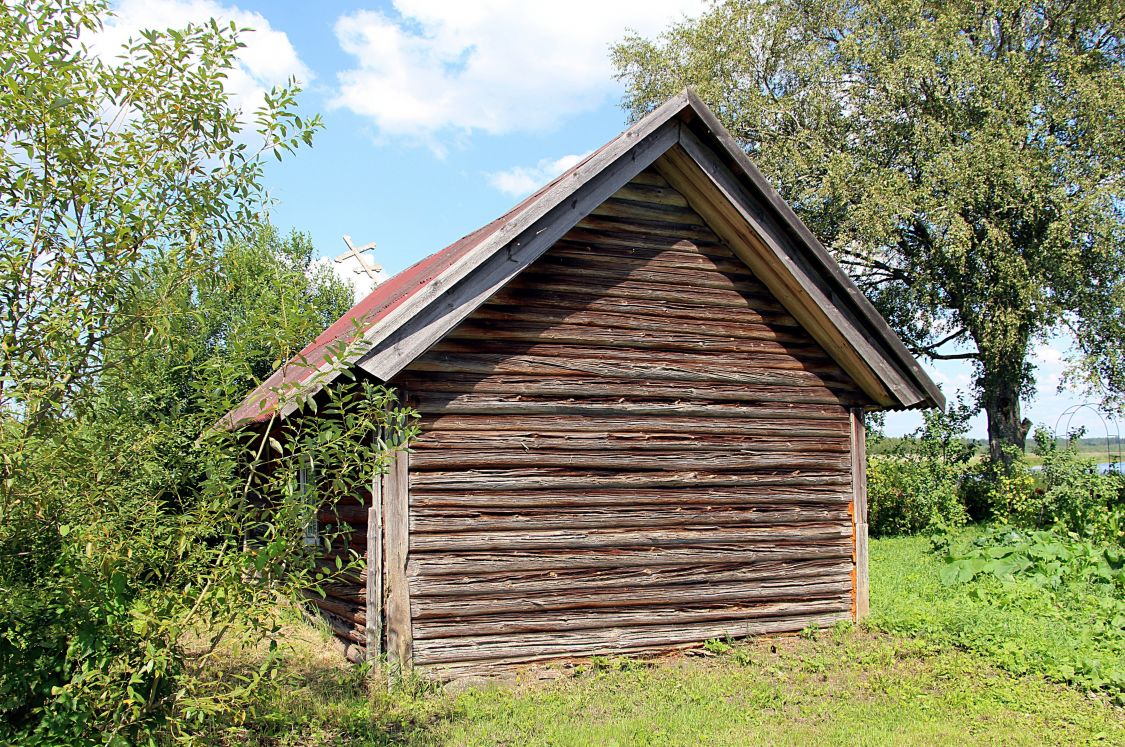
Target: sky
441	114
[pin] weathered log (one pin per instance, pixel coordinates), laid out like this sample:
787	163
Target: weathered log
342	608
739	360
461	613
557	317
656	440
472	563
499	404
552	644
621	208
593	387
638	461
546	478
586	580
441	522
650	193
781	428
561	539
687	341
827	598
688	498
676	308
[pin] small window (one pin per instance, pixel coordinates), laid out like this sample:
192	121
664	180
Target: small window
307	490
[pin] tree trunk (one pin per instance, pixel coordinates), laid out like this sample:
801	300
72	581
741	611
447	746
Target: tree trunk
1001	402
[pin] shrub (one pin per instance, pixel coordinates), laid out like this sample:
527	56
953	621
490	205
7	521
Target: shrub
915	487
1075	496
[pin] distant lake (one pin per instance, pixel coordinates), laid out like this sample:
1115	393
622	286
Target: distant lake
1103	467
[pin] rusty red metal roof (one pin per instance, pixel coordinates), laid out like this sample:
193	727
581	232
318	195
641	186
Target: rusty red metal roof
261	404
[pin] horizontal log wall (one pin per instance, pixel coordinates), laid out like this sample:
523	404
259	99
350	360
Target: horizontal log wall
631	447
344	605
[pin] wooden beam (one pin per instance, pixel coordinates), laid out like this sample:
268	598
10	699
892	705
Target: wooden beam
396	544
374	558
859	512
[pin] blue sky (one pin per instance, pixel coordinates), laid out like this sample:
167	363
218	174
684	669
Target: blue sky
440	114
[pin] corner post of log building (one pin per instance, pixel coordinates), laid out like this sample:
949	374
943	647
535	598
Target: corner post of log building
374	561
859	510
396	551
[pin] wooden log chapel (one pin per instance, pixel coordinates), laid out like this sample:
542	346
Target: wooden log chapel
642	395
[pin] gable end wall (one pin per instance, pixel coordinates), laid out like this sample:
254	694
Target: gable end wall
631	447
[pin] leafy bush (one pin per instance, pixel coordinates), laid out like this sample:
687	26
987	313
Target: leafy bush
1075	497
1068	493
1047	559
915	487
1062	577
1050	607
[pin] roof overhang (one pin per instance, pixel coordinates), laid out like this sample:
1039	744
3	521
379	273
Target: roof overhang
687	144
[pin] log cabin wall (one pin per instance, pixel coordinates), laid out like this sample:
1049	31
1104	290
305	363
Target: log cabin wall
631	447
344	605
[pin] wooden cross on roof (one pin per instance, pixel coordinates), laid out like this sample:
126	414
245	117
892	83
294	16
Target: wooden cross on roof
365	265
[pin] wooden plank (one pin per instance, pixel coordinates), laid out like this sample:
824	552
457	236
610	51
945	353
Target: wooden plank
859	513
487	364
374	581
729	362
441	522
656	440
426	500
823	598
780	428
662	340
720	328
667	309
627	461
619	538
605	386
396	544
499	404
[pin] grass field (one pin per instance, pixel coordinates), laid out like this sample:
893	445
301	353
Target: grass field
839	686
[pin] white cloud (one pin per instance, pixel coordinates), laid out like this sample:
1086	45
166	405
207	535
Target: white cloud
267	60
523	180
438	67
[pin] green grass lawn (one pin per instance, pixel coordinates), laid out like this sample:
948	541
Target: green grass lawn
841	686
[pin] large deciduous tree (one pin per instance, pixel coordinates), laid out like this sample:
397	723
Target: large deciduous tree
963	159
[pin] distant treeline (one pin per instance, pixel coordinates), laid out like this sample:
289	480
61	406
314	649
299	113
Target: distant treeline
1085	445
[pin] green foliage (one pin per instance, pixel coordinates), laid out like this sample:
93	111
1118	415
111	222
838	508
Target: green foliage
111	172
1067	493
141	298
915	487
963	160
1043	607
1045	558
1076	496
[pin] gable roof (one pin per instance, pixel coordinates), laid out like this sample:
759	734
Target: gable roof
401	318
